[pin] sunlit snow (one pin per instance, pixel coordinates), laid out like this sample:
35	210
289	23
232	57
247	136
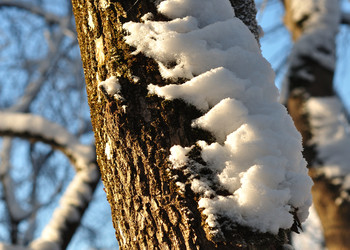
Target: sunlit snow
257	157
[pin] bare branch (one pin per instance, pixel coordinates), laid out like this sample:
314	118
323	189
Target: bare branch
49	17
14	210
33	88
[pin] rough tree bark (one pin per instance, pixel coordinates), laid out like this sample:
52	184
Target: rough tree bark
147	210
318	82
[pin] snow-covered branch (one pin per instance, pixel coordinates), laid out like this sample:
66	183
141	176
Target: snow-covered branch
75	200
36	128
67	217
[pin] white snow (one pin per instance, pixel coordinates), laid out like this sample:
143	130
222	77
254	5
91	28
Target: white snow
38	127
330	134
216	81
178	155
320	28
205	11
226	108
136	79
112	87
331	137
77	194
312	236
181	41
257	157
302	8
181	186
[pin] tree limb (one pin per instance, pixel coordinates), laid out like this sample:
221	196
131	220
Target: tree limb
78	195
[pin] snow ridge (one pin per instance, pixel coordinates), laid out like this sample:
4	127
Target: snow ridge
257	157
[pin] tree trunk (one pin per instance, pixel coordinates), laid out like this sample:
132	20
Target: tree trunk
148	210
309	76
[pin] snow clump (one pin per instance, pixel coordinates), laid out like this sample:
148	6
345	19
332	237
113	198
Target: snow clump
257	156
112	87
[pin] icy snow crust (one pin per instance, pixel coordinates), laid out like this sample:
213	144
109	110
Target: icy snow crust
257	157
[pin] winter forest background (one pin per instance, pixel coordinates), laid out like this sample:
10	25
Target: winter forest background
41	74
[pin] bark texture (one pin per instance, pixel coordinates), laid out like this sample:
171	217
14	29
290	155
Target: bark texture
335	218
148	212
246	11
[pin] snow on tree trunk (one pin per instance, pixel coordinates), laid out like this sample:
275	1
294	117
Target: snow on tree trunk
193	147
318	113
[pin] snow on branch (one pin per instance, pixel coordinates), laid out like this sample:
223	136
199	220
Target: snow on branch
37	128
257	159
67	216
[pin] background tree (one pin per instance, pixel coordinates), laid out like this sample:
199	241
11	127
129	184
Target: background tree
318	112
